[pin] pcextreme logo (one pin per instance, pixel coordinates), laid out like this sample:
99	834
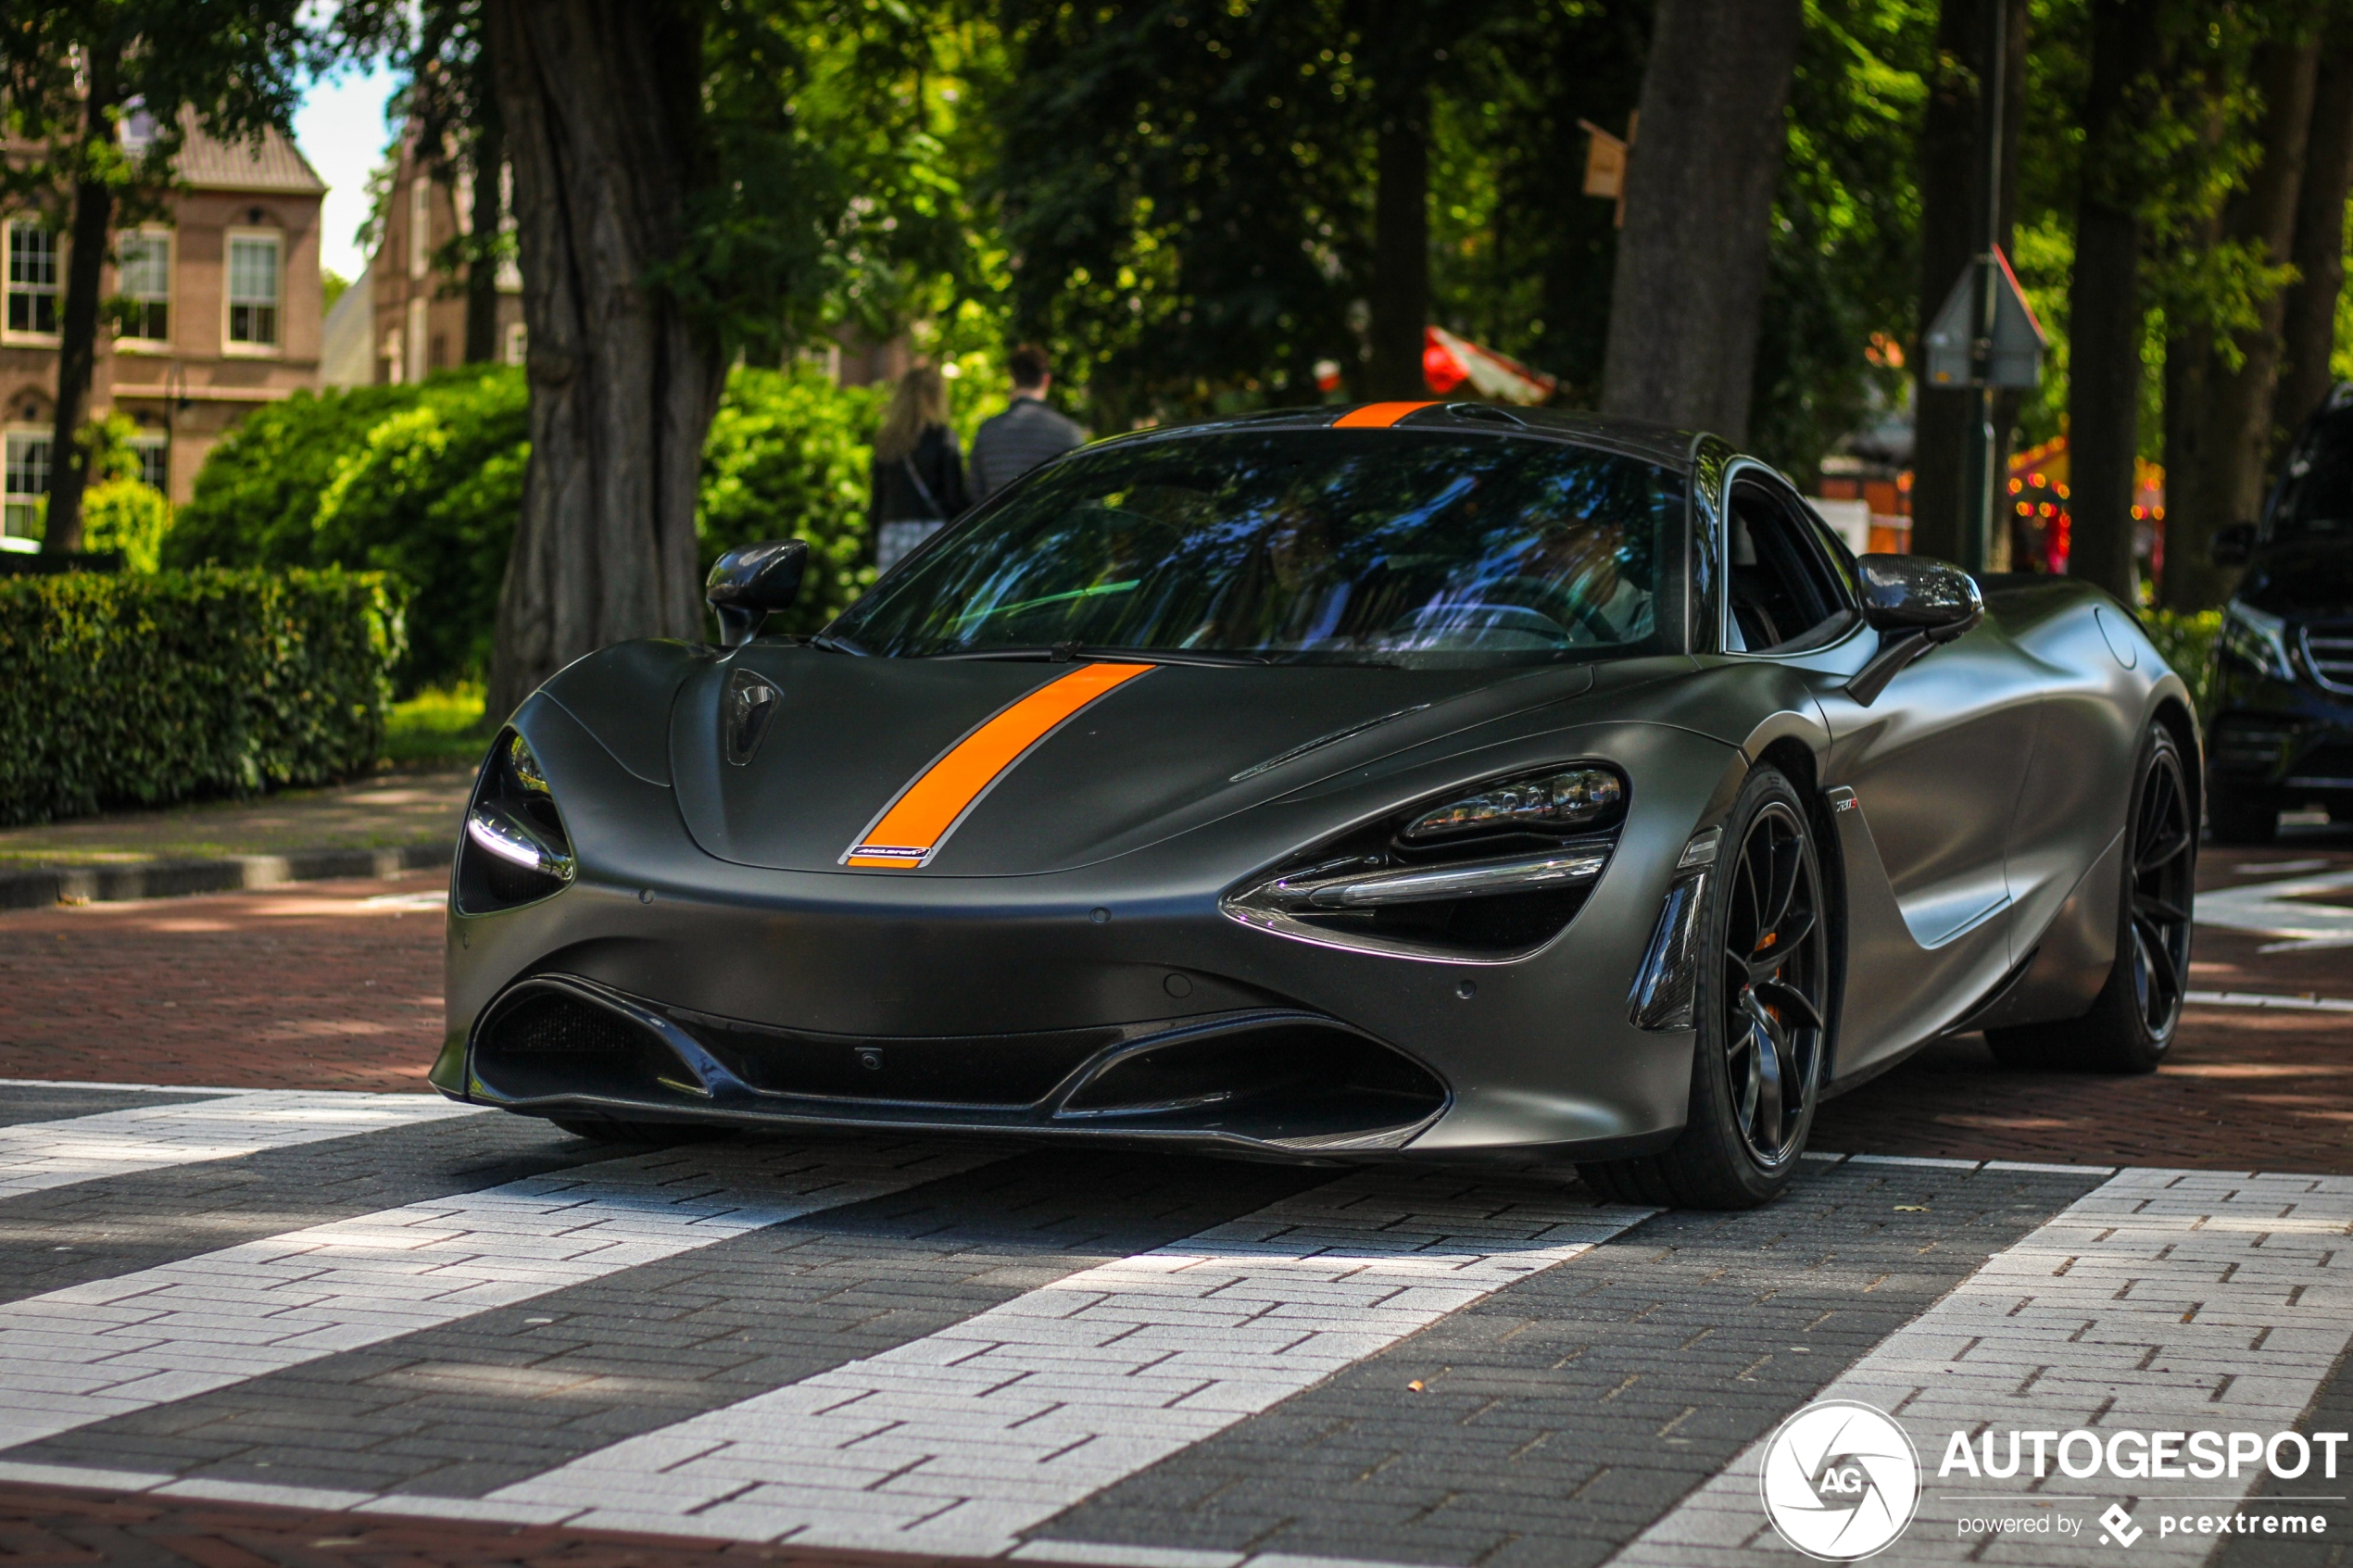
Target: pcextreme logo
1840	1480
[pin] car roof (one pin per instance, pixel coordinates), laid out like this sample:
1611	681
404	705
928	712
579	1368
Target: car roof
1662	444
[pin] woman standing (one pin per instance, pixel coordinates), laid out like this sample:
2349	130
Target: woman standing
919	469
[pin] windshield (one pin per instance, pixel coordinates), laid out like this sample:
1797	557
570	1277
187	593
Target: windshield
2317	495
1391	547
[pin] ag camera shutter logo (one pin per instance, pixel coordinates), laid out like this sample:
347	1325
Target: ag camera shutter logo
1840	1480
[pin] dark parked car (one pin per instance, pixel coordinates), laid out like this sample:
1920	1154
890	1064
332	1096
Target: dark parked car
2281	735
1422	782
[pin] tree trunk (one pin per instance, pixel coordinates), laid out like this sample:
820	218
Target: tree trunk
1691	258
1952	194
622	385
77	330
2105	313
2308	322
2239	401
1401	235
482	268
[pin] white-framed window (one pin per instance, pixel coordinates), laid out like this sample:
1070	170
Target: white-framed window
153	450
518	343
144	262
24	483
413	351
420	224
254	288
33	279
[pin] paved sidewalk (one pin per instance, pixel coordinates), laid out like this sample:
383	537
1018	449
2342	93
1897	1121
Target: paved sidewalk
376	828
387	812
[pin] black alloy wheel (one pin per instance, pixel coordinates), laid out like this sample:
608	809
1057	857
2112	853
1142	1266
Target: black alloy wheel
1773	991
1763	1040
2130	1025
2161	887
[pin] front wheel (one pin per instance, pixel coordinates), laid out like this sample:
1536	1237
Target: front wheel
2131	1026
1763	1005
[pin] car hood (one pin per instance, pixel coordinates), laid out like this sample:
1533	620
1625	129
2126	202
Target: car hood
2301	578
1152	754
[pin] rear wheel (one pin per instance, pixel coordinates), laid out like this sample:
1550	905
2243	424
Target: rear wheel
1762	1006
2131	1026
2242	815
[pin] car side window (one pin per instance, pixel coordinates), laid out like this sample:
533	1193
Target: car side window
1785	592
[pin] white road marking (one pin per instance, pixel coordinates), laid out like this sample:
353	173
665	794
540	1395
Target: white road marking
91	1351
2278	909
2266	999
959	1441
35	1156
2161	1300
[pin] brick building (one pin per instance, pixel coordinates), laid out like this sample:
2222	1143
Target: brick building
221	301
418	311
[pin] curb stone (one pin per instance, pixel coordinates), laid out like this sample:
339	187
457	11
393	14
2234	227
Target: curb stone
40	886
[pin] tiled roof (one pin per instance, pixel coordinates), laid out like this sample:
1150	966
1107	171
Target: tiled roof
274	163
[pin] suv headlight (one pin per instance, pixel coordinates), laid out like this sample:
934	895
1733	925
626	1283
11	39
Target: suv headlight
2255	638
515	850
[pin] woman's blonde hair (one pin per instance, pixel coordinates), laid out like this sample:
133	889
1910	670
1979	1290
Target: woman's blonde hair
917	403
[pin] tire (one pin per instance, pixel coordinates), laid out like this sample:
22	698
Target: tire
595	1129
2130	1025
1762	1002
2237	814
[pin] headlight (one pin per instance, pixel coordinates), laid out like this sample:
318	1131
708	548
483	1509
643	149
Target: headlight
515	850
1484	875
1567	801
2258	639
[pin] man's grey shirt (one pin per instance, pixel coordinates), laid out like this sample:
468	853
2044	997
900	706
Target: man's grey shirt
1017	441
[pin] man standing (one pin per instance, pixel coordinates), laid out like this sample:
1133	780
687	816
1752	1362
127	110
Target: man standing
1026	435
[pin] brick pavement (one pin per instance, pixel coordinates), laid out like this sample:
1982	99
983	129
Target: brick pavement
54	1528
333	985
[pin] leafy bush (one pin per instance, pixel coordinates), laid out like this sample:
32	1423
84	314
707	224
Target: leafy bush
421	482
425	482
788	457
143	690
128	515
2187	642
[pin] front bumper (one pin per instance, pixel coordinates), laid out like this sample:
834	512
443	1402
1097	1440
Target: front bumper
2288	739
1051	980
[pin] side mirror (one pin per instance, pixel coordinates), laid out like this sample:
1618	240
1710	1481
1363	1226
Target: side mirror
751	580
1916	594
1914	603
2234	543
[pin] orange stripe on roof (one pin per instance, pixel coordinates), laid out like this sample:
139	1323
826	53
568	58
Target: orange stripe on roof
1377	416
911	830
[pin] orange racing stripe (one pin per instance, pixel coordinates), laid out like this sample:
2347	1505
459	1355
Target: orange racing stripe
910	830
1377	416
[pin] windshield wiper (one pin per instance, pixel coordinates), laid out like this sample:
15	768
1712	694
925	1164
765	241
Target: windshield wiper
1062	653
838	644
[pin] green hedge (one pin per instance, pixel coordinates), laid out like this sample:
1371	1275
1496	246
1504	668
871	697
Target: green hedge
144	690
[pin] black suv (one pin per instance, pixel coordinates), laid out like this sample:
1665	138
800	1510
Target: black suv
2280	732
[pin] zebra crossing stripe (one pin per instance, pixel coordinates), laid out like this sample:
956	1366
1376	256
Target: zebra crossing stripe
37	1156
960	1441
2175	1300
100	1349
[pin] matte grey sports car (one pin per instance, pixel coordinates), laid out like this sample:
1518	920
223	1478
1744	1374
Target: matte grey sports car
1424	781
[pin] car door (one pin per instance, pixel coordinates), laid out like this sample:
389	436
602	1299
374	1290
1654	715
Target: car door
1924	780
